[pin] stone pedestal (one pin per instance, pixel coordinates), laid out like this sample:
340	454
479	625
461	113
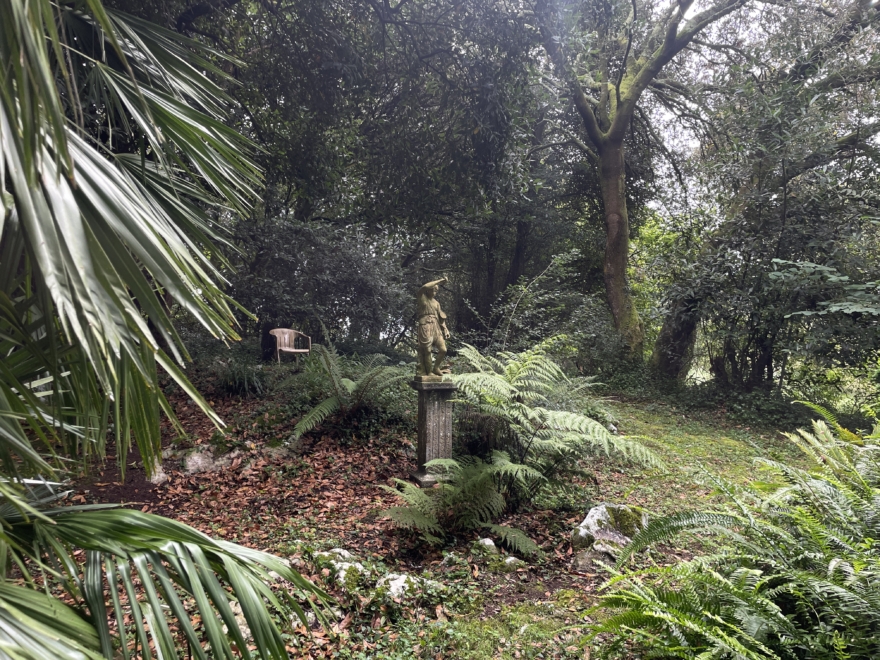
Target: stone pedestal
435	423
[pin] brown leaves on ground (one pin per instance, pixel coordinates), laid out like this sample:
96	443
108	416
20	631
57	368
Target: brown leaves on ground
325	492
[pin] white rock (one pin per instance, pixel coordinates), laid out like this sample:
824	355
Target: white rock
240	621
488	546
203	461
400	585
159	476
336	553
607	528
397	584
342	568
450	558
513	561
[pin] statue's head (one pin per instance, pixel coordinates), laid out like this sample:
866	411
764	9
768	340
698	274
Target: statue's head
430	289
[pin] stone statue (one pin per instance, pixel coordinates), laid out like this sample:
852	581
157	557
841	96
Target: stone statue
431	330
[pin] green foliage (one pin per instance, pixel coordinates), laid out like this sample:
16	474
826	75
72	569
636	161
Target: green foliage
512	410
514	406
467	498
350	385
785	267
561	301
798	578
115	158
236	376
176	568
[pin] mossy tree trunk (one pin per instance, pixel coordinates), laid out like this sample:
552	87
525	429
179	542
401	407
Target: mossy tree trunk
605	86
612	179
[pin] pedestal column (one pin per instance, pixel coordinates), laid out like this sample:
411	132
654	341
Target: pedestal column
435	424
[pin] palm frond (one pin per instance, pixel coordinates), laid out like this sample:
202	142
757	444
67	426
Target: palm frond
173	564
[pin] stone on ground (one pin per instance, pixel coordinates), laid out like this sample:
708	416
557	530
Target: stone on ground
488	545
608	528
400	585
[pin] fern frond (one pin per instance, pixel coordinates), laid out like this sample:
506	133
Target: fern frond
662	529
373	361
443	467
411	494
831	419
514	539
315	416
329	360
409	518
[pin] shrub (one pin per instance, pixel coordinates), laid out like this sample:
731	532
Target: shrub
237	377
799	577
525	439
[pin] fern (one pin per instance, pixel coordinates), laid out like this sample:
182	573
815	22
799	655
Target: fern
831	419
514	539
799	577
662	529
466	499
512	401
348	384
315	416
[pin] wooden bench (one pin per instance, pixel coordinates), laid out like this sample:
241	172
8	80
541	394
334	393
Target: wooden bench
286	342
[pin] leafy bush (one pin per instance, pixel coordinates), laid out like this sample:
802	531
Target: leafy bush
799	577
467	498
516	405
238	377
349	385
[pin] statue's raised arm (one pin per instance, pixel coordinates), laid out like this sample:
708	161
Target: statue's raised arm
431	330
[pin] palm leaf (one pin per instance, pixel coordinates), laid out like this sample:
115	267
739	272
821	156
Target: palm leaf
171	562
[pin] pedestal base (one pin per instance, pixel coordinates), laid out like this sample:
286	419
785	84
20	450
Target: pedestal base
435	424
423	479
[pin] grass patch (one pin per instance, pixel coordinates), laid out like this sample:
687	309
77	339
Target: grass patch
691	446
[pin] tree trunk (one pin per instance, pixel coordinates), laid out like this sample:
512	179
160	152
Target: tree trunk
673	349
491	268
613	183
518	261
267	341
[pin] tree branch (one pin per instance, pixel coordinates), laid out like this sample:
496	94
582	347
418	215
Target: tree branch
629	43
859	15
673	43
551	46
854	140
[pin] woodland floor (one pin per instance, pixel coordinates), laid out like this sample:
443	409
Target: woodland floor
326	495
